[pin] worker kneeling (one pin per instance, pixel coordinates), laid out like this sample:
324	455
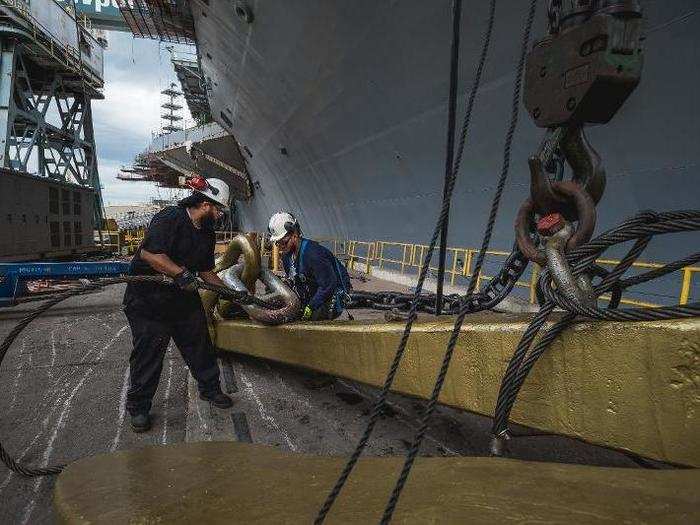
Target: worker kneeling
322	283
179	242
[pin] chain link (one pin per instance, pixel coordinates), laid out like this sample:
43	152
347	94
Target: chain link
495	291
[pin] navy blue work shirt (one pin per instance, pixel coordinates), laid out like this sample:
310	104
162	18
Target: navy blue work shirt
319	276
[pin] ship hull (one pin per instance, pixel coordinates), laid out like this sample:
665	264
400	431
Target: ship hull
342	108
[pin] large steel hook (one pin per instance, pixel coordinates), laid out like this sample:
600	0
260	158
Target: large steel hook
585	164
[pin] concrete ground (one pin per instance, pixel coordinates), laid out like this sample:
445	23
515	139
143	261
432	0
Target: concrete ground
64	384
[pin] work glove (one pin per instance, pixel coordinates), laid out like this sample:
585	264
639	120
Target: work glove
186	280
307	313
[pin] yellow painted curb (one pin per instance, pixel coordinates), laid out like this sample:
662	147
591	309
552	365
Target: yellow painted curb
632	386
237	483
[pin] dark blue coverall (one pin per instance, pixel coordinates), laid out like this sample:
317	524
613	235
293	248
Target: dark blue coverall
321	281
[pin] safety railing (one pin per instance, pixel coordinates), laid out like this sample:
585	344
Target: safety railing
54	26
686	283
130	240
355	250
685	288
459	261
108	240
409	257
266	245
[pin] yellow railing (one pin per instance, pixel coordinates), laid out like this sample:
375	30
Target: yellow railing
458	261
688	272
108	240
409	257
686	281
339	247
224	236
129	240
406	254
370	250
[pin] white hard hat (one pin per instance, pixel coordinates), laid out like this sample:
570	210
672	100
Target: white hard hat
214	189
282	223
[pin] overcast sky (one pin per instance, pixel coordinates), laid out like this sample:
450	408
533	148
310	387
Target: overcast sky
135	70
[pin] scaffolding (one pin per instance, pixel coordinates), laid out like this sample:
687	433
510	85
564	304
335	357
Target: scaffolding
172	116
147	167
165	20
193	85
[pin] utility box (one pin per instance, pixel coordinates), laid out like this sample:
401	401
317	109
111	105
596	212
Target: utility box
42	218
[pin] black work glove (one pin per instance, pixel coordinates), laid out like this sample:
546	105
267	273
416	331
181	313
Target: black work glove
186	280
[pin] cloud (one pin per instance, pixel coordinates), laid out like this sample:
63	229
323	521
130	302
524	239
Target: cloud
126	117
136	70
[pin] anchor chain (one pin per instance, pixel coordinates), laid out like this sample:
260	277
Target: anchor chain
493	293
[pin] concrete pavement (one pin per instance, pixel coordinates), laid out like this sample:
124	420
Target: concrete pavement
64	384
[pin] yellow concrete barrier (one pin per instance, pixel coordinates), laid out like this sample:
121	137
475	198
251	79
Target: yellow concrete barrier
631	386
236	483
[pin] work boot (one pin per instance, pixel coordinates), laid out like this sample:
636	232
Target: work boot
219	400
140	422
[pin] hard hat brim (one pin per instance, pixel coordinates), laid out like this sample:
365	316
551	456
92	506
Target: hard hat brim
275	238
212	198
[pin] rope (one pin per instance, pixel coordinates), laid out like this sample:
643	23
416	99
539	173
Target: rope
430	407
449	187
449	156
639	229
7	459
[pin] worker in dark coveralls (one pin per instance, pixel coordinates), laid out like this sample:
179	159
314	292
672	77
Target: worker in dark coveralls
179	243
320	280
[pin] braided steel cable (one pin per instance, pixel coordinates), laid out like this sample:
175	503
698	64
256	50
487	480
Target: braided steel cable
642	228
509	385
659	272
5	457
412	314
580	258
432	402
449	155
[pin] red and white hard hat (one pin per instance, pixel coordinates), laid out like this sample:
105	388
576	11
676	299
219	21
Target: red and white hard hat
282	223
214	189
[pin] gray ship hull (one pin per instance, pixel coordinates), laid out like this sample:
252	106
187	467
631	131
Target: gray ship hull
342	108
